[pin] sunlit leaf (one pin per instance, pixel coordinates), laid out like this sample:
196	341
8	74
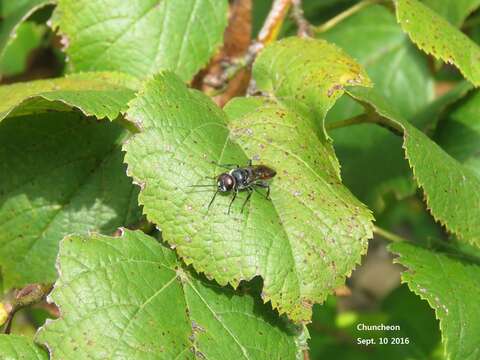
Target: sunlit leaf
141	37
435	35
16	347
129	297
94	94
301	255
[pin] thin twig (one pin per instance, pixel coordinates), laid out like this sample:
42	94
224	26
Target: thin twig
345	14
388	235
268	34
274	21
304	27
306	355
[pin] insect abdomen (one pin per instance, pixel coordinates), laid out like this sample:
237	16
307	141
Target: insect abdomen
263	172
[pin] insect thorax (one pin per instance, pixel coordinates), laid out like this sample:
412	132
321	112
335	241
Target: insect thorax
241	177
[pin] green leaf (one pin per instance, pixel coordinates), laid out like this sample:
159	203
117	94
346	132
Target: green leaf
373	165
435	35
451	189
451	286
64	175
455	11
427	118
141	37
15	59
94	94
15	347
459	133
14	13
397	68
166	313
307	75
301	255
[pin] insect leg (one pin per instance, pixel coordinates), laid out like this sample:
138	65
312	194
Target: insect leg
233	199
250	192
258	191
211	201
264	185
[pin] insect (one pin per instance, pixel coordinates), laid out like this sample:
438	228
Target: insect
248	178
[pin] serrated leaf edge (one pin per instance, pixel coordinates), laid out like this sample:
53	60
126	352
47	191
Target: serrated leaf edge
281	310
435	55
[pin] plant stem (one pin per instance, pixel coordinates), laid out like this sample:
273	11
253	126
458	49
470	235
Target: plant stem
268	34
359	119
304	27
345	14
273	22
388	235
367	118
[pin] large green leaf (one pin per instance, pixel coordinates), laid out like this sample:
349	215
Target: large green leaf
373	165
94	94
455	11
451	189
307	75
435	35
451	285
459	133
301	255
61	174
130	298
15	347
14	13
141	37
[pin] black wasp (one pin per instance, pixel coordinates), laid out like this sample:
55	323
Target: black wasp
248	178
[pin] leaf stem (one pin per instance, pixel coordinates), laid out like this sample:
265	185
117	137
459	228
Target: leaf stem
345	14
366	118
359	119
388	235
